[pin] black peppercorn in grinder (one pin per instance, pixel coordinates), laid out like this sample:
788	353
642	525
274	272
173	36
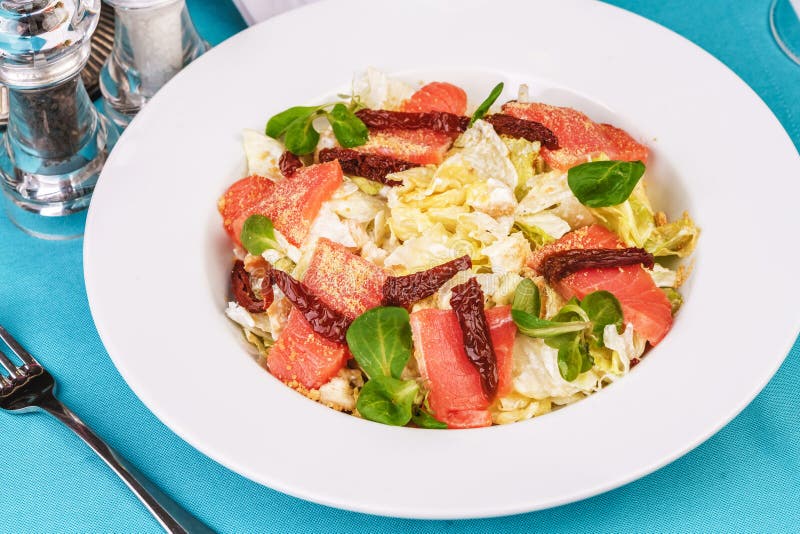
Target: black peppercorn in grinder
56	142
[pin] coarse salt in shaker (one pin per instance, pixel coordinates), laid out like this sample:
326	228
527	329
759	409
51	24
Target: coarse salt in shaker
154	40
56	142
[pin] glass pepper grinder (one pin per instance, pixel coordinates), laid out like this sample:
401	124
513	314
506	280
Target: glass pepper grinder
153	41
56	142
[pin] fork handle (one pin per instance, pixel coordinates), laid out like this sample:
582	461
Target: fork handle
170	514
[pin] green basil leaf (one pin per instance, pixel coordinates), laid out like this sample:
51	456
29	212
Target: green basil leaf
301	137
423	419
486	104
598	184
387	400
380	340
278	124
348	129
603	309
258	235
533	326
572	356
526	298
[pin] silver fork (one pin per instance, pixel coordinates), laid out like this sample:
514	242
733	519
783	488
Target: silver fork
30	387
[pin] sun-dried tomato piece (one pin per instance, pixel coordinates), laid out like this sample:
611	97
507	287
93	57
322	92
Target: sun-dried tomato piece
530	130
242	289
372	166
289	163
441	121
634	362
559	264
467	303
324	320
406	290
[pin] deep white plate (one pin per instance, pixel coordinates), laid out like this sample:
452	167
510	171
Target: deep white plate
157	261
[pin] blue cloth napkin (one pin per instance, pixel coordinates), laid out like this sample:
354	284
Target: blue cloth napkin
745	478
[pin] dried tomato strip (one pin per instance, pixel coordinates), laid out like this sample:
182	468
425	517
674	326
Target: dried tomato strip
289	163
467	303
406	290
372	166
242	289
441	121
324	320
530	130
559	264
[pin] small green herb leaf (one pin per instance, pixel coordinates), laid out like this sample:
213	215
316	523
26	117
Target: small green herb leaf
258	235
387	400
380	340
423	419
486	104
599	184
348	129
588	359
526	298
603	309
532	326
571	311
301	137
279	123
573	358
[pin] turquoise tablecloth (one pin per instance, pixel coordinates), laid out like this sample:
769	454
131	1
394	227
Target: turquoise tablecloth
745	478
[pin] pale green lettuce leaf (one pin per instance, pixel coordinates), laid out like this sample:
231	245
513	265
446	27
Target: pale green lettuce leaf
357	206
677	238
633	220
327	224
542	228
515	407
370	187
662	276
536	373
498	289
434	247
481	167
483	228
523	154
626	347
255	322
508	254
550	192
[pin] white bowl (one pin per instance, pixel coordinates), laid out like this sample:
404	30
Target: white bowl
156	259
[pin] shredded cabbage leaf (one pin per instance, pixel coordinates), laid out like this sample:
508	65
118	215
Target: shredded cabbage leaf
635	223
375	90
625	347
524	155
263	154
536	373
677	238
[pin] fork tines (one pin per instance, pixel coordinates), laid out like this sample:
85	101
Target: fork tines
16	348
17	374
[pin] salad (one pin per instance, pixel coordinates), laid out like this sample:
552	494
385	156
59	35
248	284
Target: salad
412	259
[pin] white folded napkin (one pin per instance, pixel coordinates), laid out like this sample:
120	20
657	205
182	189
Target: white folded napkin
255	11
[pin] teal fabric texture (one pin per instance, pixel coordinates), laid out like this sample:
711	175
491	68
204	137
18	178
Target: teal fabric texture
744	478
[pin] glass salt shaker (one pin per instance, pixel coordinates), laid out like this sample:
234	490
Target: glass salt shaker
153	41
56	142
